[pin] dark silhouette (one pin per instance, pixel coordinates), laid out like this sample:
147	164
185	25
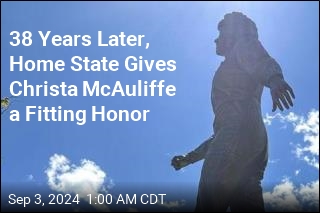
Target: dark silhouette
236	155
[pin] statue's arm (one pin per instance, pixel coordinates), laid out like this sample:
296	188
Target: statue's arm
200	152
255	60
197	154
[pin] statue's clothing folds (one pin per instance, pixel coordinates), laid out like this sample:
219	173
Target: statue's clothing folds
236	157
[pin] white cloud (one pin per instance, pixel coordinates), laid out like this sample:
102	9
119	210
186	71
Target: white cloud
273	160
87	178
313	161
30	177
309	127
282	198
310	194
268	119
287	197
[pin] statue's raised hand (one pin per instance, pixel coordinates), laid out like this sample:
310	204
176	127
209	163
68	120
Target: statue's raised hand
282	94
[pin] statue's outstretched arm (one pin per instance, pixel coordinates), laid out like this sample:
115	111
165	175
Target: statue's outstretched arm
197	154
255	60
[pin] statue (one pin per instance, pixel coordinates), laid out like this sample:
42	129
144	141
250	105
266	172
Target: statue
235	157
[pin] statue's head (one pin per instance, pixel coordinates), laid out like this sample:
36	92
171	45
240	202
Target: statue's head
232	28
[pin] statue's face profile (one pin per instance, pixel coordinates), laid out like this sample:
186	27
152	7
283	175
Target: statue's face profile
224	42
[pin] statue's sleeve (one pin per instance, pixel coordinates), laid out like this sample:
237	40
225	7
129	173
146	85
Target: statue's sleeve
255	60
200	152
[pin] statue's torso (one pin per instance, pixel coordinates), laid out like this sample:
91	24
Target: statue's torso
235	94
239	130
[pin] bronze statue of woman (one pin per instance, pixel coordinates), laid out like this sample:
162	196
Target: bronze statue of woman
235	157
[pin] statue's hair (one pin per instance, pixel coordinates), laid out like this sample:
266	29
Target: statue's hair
238	25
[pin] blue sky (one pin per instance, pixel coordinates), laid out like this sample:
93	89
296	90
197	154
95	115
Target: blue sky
140	152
